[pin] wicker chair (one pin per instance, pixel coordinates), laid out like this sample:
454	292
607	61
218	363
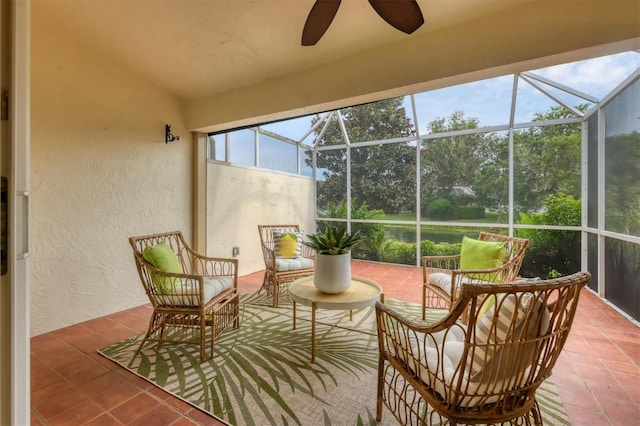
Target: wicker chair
486	372
279	271
200	292
442	276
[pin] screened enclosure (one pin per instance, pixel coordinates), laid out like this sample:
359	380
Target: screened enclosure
552	155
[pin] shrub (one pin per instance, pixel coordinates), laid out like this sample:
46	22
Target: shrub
372	233
440	208
429	248
469	212
405	253
399	252
552	253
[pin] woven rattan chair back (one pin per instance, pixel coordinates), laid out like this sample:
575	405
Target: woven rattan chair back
275	282
514	253
485	372
437	297
182	310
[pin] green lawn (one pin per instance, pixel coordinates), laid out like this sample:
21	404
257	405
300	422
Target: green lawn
490	217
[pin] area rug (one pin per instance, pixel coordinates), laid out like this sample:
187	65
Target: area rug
261	373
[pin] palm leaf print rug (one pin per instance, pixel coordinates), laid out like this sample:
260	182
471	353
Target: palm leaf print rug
261	373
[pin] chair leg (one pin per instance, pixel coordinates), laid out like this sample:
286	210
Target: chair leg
150	330
424	302
236	313
276	292
380	389
163	321
135	354
221	319
535	414
213	335
203	337
265	284
271	285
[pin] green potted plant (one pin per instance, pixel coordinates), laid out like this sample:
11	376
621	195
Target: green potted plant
333	258
333	241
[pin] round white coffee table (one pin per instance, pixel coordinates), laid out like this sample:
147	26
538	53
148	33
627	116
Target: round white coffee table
361	294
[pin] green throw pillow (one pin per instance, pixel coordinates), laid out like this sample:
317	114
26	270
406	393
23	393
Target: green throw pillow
477	254
162	257
489	302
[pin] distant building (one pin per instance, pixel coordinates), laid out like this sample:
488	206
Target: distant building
457	191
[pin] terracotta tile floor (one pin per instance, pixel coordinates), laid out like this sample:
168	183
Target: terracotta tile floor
597	375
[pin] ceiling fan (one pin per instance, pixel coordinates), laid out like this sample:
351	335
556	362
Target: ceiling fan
404	15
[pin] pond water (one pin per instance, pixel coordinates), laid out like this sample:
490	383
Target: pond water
439	236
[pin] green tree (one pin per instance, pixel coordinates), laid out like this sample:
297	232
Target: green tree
491	180
552	251
457	161
622	189
383	175
546	160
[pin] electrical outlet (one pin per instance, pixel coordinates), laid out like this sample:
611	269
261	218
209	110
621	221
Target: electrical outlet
235	251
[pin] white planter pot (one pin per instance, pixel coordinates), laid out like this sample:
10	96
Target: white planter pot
332	273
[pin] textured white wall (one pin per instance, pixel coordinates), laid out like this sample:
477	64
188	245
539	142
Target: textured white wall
100	172
239	199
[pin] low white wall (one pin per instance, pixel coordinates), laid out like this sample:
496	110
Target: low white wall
240	198
100	173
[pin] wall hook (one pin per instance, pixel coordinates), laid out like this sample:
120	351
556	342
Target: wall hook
168	136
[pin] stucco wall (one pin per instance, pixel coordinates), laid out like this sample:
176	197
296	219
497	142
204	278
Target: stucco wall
100	172
239	199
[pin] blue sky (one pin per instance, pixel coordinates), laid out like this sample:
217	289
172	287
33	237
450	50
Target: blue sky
487	100
490	100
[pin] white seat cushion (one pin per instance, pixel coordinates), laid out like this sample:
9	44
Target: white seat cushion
293	264
442	352
188	296
213	286
442	368
443	280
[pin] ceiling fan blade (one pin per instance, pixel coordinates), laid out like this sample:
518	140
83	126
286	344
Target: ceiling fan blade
404	15
318	21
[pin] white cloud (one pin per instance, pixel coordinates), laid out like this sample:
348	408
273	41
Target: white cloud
490	100
596	77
